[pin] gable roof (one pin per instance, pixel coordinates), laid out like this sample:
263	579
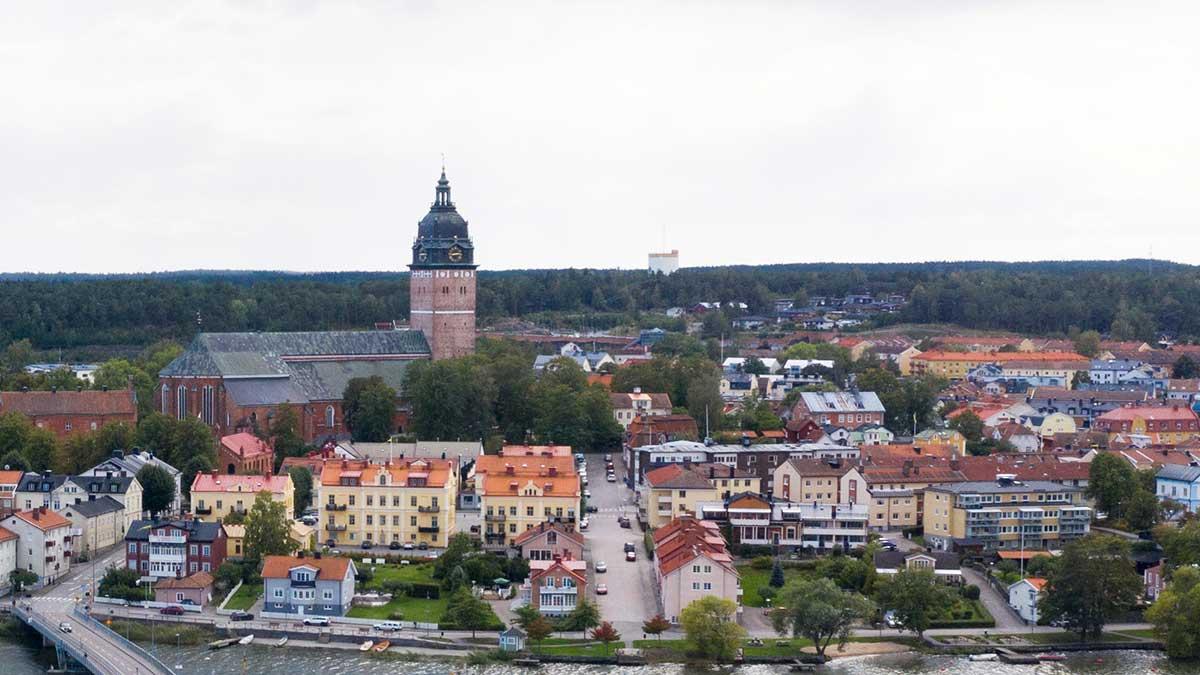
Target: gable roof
42	518
556	566
37	482
95	507
684	539
943	560
7	535
194	580
818	467
195	530
35	403
216	482
245	445
545	527
1179	472
328	569
108	485
626	399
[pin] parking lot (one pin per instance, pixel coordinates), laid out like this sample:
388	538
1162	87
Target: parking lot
631	598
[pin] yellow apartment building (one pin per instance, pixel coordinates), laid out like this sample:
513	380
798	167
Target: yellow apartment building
1004	514
517	491
216	495
675	490
399	501
896	493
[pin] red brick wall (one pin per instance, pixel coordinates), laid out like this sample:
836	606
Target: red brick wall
443	307
66	425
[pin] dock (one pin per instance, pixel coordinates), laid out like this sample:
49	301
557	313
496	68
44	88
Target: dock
221	644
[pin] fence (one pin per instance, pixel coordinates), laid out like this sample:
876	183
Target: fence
112	635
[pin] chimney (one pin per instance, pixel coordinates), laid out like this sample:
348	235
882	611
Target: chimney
954	463
509	470
213	473
907	468
300	554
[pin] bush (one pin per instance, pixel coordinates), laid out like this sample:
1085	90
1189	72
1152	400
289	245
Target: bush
364	574
767	592
427	591
396	616
397	587
648	541
762	562
970	592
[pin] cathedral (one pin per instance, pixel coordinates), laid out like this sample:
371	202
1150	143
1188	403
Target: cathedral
442	288
237	381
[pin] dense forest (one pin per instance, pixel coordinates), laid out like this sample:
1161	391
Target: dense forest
1133	298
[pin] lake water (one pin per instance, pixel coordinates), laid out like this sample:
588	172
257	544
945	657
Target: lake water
22	660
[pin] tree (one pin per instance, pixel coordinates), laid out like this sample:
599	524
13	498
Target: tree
120	374
754	366
1111	481
189	438
285	432
466	612
819	611
15	461
711	628
1141	510
525	615
1167	508
228	575
19	579
302	482
1176	614
451	399
585	616
158	488
188	473
1185	368
1095	581
656	626
1181	545
268	529
458	548
122	583
538	628
969	425
704	402
1087	343
17	355
369	405
606	634
916	597
777	579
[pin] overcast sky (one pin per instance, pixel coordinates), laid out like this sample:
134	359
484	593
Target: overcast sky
309	135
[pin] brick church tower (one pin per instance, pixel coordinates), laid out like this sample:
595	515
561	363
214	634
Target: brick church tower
442	288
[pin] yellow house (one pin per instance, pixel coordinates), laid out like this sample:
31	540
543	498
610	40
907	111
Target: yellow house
676	489
517	492
956	365
215	495
904	360
235	540
1057	423
943	438
404	501
896	493
1004	514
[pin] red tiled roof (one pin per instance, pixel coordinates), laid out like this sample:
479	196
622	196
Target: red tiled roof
685	539
43	519
33	403
329	569
544	527
7	534
1153	413
625	400
195	580
216	482
558	565
245	445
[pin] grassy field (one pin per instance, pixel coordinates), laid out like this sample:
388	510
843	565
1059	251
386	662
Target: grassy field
245	597
1139	633
410	609
1064	638
754	579
421	574
567	647
975	607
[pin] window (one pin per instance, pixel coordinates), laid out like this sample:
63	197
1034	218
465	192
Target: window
695	585
206	550
412	501
412	521
329	416
133	549
370	500
165	399
181	402
279	592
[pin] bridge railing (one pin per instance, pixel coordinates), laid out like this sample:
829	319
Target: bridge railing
73	646
82	615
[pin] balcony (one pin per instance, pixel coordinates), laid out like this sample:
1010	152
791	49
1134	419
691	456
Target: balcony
429	529
203	510
494	517
49	543
495	538
335	507
312	583
333	527
177	539
428	509
66	554
50	558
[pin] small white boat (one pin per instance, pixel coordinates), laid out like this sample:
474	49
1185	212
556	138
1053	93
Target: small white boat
282	641
366	646
246	640
983	657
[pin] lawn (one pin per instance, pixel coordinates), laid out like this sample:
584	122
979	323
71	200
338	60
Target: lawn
956	613
410	609
565	647
245	597
754	579
420	574
1139	633
1064	638
771	646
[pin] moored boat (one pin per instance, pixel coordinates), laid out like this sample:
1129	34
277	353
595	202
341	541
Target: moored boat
366	646
382	645
983	657
282	641
246	640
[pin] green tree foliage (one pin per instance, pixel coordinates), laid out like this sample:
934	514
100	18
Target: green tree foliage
711	627
905	399
1095	580
678	344
757	415
121	582
1185	368
193	466
452	399
15	461
302	482
1181	545
16	356
37	447
158	488
584	617
466	612
820	611
1176	614
1111	482
525	615
777	578
754	366
969	425
458	548
228	575
120	374
569	411
1141	510
369	404
268	529
509	365
286	433
916	597
1087	343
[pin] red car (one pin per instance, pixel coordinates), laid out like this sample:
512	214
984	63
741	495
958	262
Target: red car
173	610
601	589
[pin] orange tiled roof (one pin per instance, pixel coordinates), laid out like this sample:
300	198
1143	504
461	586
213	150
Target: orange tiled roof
685	539
43	519
998	357
435	472
1152	413
494	471
535	451
329	569
216	482
7	534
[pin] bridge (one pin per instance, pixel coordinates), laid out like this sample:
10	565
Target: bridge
90	645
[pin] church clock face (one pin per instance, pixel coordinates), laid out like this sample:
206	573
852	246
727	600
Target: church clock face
422	255
455	254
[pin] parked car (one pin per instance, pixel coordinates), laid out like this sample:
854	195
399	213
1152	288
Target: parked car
583	523
331	543
587	494
408	546
241	616
366	544
608	457
316	621
592	508
624	522
601	567
892	620
631	556
601	589
629	547
423	546
173	610
64	626
612	478
388	626
584	481
579	457
394	546
887	544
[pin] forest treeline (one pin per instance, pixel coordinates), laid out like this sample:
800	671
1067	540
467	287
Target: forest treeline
1133	298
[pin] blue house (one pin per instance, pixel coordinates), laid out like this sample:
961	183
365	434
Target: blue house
1181	483
307	586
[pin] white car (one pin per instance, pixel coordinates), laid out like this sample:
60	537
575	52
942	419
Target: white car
583	523
601	568
388	626
316	621
64	627
587	494
612	478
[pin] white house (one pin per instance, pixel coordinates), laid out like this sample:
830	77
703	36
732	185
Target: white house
45	538
1023	598
8	556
